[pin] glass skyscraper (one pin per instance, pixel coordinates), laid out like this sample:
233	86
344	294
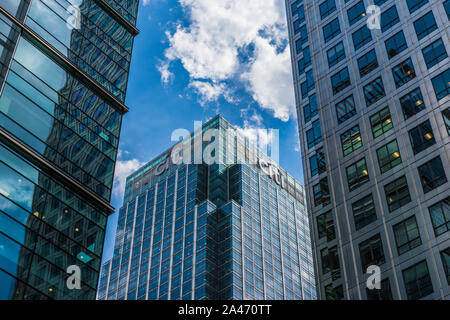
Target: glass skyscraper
234	229
374	123
63	77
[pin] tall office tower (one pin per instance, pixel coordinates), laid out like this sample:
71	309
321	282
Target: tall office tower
374	122
219	231
63	76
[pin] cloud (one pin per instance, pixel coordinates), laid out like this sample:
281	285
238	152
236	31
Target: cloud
166	75
234	41
123	169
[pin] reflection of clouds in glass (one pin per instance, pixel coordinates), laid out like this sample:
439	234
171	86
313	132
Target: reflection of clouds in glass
11	6
39	64
17	190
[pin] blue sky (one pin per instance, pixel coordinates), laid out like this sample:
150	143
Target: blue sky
194	59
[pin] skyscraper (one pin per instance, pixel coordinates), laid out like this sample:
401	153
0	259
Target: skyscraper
232	228
374	121
63	77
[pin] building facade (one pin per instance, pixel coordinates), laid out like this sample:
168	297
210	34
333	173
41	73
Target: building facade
63	77
374	122
233	229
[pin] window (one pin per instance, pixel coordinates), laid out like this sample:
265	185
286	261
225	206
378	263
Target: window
384	293
371	252
374	91
397	193
407	236
403	72
440	216
432	174
330	262
310	110
335	54
425	25
351	140
321	193
447	8
389	18
361	37
417	281
421	137
334	293
314	135
445	256
318	163
367	63
331	30
381	122
446	117
340	80
304	62
412	103
395	44
307	85
345	109
301	16
434	53
326	8
355	13
364	212
295	7
357	174
413	5
441	84
389	156
379	2
325	226
303	38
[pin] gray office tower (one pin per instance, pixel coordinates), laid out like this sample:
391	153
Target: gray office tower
212	231
372	83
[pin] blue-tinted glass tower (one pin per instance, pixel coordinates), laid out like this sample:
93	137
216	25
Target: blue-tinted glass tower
235	229
63	77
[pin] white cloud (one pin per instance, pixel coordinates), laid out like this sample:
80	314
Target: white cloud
210	50
166	75
123	169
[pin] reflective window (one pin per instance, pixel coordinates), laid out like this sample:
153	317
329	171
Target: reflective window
361	37
325	226
447	8
317	163
345	109
421	137
340	80
364	212
412	103
314	135
395	44
445	256
330	262
351	140
432	174
357	12
413	5
434	53
331	30
367	63
441	84
357	174
389	18
397	193
407	236
335	54
381	122
310	110
440	216
374	91
446	117
425	25
326	8
321	193
388	156
371	252
403	72
417	281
